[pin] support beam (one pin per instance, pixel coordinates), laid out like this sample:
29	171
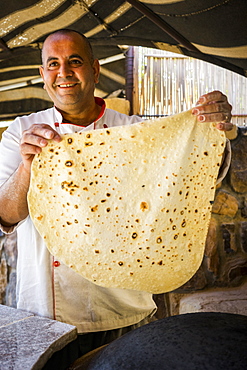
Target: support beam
3	45
163	25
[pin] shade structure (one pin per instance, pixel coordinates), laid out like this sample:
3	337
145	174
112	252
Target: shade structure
211	30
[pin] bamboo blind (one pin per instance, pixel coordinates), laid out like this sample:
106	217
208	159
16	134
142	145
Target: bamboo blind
167	83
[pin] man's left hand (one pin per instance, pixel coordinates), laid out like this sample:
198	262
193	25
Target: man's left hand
214	107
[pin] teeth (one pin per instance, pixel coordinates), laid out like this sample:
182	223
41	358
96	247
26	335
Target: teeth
67	85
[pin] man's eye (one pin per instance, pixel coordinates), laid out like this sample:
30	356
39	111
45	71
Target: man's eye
76	62
52	65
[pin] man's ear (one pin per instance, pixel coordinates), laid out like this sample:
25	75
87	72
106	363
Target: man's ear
96	68
41	72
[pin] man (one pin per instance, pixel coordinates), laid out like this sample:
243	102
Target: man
44	285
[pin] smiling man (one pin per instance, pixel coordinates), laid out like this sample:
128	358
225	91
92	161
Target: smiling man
70	73
44	285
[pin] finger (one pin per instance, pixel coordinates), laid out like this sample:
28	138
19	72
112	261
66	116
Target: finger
224	126
218	112
228	117
43	130
28	150
214	117
212	108
30	139
214	96
39	135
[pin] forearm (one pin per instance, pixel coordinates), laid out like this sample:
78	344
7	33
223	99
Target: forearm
13	197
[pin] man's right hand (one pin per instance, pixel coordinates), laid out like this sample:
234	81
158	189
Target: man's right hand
33	140
13	193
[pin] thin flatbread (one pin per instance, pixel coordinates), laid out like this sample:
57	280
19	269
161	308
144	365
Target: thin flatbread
129	206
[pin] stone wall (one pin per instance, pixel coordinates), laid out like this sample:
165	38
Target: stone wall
8	259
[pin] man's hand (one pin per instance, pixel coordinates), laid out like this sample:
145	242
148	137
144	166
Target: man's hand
214	107
33	140
13	193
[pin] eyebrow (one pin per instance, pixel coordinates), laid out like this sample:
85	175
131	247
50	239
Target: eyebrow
70	57
51	58
75	56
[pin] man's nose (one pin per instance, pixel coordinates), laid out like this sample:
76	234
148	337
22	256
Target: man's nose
65	70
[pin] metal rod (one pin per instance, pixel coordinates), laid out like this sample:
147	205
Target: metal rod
163	25
129	77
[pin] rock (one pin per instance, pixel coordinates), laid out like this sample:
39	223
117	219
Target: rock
211	241
243	236
238	170
211	253
228	236
244	209
212	263
225	204
197	282
230	300
235	270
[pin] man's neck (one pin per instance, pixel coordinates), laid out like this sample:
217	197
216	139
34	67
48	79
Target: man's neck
82	118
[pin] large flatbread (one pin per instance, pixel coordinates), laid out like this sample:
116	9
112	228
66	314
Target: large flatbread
129	206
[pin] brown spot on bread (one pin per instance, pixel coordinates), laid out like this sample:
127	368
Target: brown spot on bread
68	163
143	206
69	186
134	235
94	209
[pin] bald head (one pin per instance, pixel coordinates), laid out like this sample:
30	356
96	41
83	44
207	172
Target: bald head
66	32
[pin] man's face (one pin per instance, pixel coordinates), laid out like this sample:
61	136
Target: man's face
68	72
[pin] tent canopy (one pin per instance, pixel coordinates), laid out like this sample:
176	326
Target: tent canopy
211	30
